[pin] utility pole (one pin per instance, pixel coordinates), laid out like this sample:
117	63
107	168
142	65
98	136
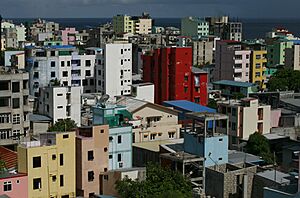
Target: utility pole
0	32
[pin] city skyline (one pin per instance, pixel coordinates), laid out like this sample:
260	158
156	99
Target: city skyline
158	9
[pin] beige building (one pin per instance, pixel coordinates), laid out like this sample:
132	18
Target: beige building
151	121
246	116
50	165
15	105
91	159
143	26
18	60
202	52
292	57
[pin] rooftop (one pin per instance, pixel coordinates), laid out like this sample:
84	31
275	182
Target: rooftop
181	156
280	176
236	157
197	70
206	116
10	70
292	101
39	118
188	106
7	174
234	83
9	157
154	145
142	84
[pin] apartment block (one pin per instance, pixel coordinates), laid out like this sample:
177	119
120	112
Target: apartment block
60	103
234	31
50	165
15	105
174	78
120	134
91	159
292	57
132	24
194	27
41	26
114	70
151	121
232	62
258	67
64	63
202	52
246	116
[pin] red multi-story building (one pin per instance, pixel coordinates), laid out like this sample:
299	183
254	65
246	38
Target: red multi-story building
174	78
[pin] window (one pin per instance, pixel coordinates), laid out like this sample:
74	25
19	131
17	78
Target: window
257	74
119	139
121	61
53	157
110	138
68	63
52	74
90	155
88	73
152	136
62	63
37	183
102	131
61	180
105	149
54	178
36	75
220	158
91	81
186	78
87	63
84	82
36	162
119	157
52	53
197	100
233	126
185	89
7	186
171	135
65	136
105	177
110	156
36	64
121	51
4	134
91	176
16	118
5	118
52	63
59	107
16	103
16	87
16	134
233	113
61	159
65	73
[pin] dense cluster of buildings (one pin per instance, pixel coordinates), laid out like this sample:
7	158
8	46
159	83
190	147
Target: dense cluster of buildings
142	93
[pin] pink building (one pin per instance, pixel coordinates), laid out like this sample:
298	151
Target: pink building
14	185
91	159
275	117
68	36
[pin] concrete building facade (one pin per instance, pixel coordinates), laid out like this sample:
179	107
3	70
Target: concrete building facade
13	184
292	57
114	70
202	52
60	103
15	105
50	165
194	27
258	67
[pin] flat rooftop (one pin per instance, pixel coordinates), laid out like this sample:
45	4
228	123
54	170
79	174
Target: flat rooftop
206	116
186	105
292	101
237	157
234	83
154	145
280	176
181	156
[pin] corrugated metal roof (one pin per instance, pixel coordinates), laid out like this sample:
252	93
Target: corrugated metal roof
9	157
37	117
234	83
188	106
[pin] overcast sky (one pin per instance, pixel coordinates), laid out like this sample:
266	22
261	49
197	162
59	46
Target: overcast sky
157	8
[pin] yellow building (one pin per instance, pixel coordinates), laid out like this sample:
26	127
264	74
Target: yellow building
258	67
132	24
50	165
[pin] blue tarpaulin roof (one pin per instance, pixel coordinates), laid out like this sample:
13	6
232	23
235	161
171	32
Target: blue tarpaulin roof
188	106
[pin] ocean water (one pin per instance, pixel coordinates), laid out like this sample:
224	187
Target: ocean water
252	28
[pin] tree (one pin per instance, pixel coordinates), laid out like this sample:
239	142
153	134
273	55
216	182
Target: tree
259	145
212	104
159	183
285	79
63	125
2	165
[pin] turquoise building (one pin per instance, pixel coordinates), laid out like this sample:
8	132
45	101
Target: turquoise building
120	134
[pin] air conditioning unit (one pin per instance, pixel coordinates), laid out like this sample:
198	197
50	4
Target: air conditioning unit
120	164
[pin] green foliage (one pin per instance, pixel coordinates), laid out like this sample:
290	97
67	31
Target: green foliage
2	165
238	95
63	125
212	104
55	82
259	145
285	79
159	183
1	58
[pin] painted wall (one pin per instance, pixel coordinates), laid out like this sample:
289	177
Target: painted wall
19	186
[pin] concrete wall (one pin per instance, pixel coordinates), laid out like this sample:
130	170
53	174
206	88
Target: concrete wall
19	186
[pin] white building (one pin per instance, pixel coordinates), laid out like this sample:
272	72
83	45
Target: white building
63	63
241	68
143	91
61	103
114	70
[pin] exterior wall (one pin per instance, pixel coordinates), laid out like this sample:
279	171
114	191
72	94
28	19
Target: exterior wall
276	52
68	36
194	27
275	118
242	66
202	52
40	127
292	57
98	143
213	149
17	121
124	148
60	103
19	186
18	61
271	193
258	67
143	26
50	166
235	31
161	130
65	63
176	64
114	73
144	92
8	55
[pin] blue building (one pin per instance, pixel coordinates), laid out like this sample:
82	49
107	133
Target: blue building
208	142
120	134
